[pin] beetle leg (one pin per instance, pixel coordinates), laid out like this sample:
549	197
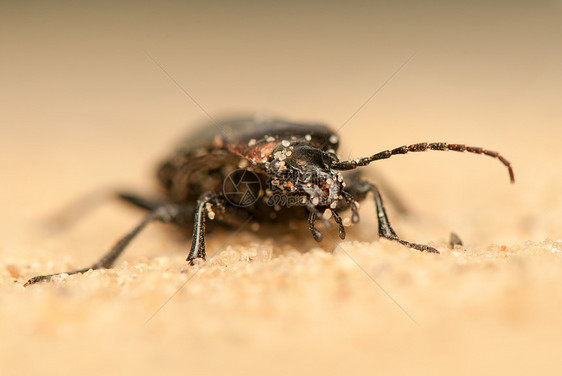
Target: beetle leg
214	206
361	188
139	201
76	210
312	209
338	220
170	213
315	232
354	206
392	196
389	192
203	207
313	215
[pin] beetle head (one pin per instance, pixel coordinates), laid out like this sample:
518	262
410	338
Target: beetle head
298	169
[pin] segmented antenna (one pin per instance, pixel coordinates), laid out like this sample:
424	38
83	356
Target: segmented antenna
424	146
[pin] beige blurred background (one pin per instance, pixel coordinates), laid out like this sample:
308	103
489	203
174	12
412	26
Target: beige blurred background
84	106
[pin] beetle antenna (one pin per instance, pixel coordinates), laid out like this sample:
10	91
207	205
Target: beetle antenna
424	146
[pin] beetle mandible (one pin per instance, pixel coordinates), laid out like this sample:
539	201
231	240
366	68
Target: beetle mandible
256	169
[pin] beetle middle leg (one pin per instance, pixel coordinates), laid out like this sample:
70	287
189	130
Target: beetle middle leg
359	189
140	201
80	207
168	213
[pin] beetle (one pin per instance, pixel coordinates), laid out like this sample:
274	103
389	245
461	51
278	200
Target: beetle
259	169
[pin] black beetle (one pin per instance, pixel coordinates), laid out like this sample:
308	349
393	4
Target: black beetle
264	170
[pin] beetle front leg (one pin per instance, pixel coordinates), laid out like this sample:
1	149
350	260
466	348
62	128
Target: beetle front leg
200	214
212	205
217	207
359	190
317	235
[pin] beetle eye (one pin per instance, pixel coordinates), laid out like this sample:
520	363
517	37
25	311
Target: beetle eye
328	158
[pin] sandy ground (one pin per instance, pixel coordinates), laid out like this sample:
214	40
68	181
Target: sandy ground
85	106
